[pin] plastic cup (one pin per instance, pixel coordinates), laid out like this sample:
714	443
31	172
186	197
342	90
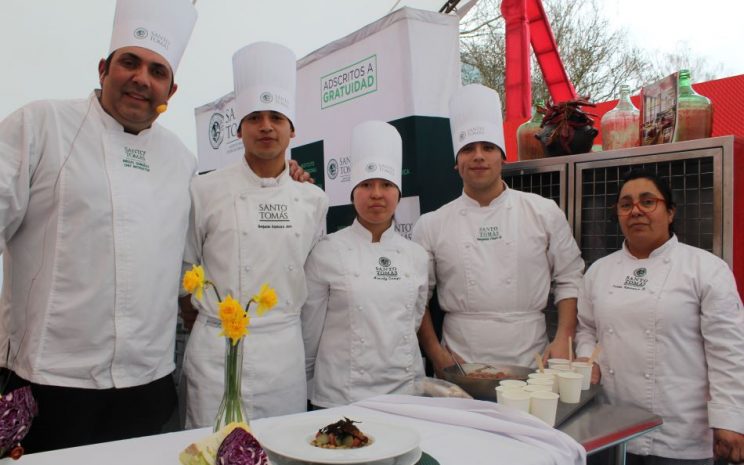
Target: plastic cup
585	370
512	383
569	386
544	405
550	371
561	368
552	382
554	362
537	375
518	399
537	387
500	391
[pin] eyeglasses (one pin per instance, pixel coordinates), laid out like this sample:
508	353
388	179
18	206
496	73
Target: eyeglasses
645	205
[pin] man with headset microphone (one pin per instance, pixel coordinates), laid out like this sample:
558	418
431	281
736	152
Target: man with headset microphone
94	210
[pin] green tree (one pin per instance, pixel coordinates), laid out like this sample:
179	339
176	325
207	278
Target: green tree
597	58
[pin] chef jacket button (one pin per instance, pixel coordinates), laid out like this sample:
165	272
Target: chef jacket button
611	331
289	302
362	341
397	250
408	369
471	283
408	306
666	260
463	212
612	372
245	233
243	196
290	268
359	307
247	268
609	292
407	275
296	199
508	242
297	234
508	281
646	375
356	275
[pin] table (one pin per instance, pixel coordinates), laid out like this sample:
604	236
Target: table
597	427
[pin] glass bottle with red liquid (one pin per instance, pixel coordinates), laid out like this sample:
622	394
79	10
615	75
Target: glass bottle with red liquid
694	112
621	125
529	146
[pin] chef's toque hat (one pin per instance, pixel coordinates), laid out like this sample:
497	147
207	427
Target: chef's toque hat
163	26
475	116
376	152
265	76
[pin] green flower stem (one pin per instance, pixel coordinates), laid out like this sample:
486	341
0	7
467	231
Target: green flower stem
210	283
231	408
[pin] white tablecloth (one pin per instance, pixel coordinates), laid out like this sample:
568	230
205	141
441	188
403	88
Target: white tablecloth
448	443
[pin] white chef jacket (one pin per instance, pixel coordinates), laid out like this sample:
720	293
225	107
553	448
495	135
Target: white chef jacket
247	231
365	304
671	329
93	227
493	268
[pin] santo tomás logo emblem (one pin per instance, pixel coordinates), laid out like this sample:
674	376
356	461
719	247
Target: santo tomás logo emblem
462	135
384	262
332	168
639	272
371	167
216	130
140	33
266	97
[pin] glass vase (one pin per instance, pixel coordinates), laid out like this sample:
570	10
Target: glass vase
231	408
528	146
621	126
694	112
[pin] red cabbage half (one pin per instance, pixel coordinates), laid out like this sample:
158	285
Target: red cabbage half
241	448
17	409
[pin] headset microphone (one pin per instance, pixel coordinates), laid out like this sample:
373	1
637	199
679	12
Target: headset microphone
161	108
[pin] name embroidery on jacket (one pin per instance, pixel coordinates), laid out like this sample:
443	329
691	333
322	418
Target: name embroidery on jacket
636	282
385	271
488	233
273	216
135	158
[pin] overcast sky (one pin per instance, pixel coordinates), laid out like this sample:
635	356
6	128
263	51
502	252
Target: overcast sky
51	48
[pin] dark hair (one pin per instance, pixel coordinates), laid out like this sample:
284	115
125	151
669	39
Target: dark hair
660	183
107	66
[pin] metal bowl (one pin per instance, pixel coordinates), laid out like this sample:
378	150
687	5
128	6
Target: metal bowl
483	388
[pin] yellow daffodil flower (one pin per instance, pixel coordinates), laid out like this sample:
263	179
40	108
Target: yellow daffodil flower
193	281
266	299
235	320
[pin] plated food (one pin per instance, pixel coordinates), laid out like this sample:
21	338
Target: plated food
340	435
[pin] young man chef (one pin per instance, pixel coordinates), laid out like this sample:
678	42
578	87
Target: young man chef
93	215
494	252
252	224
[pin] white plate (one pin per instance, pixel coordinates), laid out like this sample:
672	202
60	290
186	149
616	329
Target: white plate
409	458
292	438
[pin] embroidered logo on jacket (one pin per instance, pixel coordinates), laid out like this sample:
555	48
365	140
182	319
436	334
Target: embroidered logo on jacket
273	216
488	233
637	281
385	271
135	158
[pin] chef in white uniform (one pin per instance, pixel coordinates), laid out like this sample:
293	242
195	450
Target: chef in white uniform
671	326
367	286
93	214
494	252
252	224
